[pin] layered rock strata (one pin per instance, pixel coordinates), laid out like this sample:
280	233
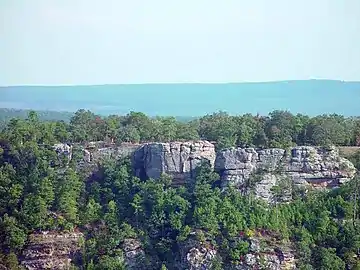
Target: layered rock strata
304	166
177	159
51	250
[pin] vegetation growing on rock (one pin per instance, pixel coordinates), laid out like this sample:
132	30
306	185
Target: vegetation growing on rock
130	223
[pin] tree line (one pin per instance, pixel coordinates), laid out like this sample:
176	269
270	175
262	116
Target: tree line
6	114
280	129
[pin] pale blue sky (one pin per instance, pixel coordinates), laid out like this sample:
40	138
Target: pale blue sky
134	41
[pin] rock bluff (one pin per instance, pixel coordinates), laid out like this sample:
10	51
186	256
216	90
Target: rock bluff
178	159
304	166
51	250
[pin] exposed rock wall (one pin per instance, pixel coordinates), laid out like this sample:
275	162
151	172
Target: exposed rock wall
51	250
178	159
94	152
195	254
266	251
304	166
99	152
64	151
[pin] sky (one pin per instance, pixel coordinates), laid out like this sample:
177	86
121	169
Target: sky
69	42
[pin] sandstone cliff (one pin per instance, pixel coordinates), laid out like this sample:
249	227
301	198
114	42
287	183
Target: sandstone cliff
304	166
178	159
51	250
261	169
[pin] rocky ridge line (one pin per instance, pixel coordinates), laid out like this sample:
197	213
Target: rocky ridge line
304	166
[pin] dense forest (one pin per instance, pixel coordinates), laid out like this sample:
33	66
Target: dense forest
40	192
7	114
278	129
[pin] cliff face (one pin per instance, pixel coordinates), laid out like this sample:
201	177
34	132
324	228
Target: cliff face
57	250
265	250
178	159
260	169
51	250
303	166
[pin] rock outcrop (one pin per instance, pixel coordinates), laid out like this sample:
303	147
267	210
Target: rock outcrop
304	166
97	151
49	250
178	159
266	251
195	253
94	152
134	255
64	151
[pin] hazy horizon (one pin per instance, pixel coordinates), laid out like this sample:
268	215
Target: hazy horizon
311	97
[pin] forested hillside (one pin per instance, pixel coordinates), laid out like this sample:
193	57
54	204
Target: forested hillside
7	114
128	223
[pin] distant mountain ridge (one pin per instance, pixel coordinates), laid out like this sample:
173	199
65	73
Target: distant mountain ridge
312	97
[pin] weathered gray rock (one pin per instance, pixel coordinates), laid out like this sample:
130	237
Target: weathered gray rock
115	151
134	254
63	150
178	159
94	152
90	155
265	252
304	166
51	250
196	254
250	259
